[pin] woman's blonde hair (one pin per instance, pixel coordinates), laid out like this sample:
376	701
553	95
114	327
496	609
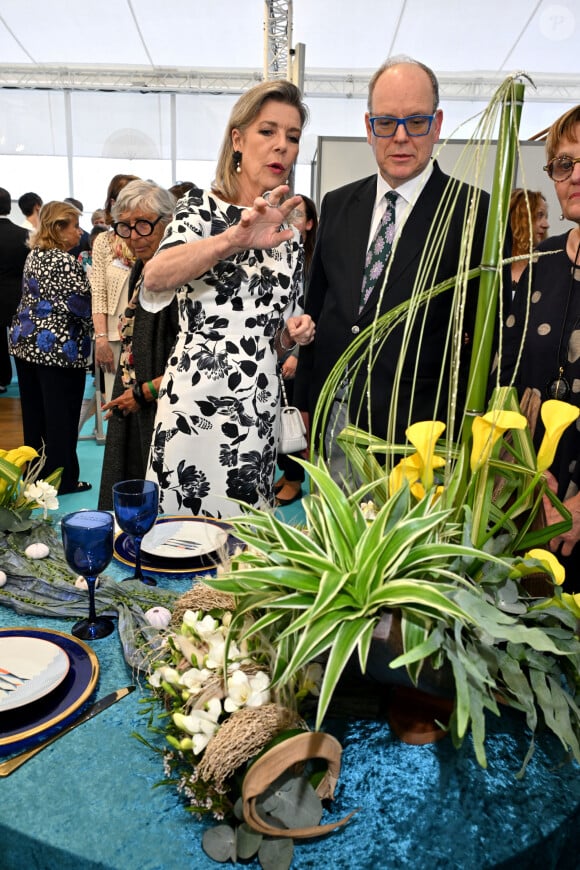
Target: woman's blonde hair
54	217
247	108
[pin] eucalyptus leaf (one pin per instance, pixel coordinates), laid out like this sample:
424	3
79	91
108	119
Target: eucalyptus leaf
276	854
220	843
248	841
292	800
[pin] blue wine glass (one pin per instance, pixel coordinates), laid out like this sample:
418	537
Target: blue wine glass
136	505
87	538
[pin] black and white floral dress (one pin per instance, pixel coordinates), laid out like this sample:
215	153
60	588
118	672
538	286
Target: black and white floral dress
217	420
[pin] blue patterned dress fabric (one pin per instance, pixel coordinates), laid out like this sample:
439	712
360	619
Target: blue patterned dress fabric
380	248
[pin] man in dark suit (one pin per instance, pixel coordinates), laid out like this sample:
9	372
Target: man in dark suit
403	124
13	253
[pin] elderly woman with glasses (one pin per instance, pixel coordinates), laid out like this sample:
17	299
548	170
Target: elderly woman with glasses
140	214
545	324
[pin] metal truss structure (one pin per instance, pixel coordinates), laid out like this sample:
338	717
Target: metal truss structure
277	39
560	88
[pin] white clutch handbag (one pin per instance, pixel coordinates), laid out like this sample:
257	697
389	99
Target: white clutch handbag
292	435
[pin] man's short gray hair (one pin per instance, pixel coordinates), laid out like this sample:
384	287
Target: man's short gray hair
395	61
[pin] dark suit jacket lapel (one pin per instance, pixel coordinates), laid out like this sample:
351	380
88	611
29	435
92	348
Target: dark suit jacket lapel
357	237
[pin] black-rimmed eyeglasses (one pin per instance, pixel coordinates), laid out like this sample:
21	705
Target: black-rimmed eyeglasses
141	227
561	168
385	126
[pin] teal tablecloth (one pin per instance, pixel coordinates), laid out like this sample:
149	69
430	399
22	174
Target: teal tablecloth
88	801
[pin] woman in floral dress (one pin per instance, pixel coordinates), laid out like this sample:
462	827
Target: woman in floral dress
51	342
237	269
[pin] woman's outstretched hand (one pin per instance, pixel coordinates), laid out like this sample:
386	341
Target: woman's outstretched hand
259	226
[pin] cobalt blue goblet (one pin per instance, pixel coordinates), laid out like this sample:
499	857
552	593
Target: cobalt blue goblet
87	538
136	505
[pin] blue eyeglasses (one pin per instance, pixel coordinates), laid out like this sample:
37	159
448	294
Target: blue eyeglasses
385	126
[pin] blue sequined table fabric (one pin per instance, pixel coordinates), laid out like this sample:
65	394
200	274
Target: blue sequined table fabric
88	802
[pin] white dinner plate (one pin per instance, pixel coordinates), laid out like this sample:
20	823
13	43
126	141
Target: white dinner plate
183	539
32	666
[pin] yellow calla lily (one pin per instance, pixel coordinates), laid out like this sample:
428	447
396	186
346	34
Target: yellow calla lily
556	417
488	429
20	455
550	563
424	436
410	469
17	457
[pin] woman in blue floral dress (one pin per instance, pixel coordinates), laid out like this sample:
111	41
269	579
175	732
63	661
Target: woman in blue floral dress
50	338
237	268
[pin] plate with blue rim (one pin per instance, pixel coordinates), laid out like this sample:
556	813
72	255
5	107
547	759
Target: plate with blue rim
179	545
22	727
30	667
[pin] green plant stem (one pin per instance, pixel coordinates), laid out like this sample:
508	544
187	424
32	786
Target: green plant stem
485	321
515	507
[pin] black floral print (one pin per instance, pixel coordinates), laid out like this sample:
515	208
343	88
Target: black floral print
217	420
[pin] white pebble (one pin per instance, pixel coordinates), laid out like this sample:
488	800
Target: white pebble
36	551
81	583
158	617
3	578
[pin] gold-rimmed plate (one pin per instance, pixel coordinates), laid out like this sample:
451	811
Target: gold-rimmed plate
185	561
30	668
22	726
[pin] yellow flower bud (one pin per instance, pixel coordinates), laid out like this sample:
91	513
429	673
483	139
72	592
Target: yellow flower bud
550	563
556	417
424	436
487	430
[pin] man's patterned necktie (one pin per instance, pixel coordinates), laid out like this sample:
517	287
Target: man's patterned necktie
378	253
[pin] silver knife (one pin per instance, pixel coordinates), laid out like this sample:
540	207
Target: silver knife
7	767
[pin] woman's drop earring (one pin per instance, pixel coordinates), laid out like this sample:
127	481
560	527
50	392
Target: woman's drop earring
237	158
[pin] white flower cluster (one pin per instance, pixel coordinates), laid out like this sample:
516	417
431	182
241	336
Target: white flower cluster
202	643
43	495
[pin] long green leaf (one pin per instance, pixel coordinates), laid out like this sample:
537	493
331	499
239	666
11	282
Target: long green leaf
349	636
399	593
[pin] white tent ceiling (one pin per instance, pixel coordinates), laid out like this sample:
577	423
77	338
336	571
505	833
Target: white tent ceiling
340	35
53	53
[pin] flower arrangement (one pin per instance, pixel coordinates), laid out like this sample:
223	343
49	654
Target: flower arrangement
463	607
21	489
220	712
